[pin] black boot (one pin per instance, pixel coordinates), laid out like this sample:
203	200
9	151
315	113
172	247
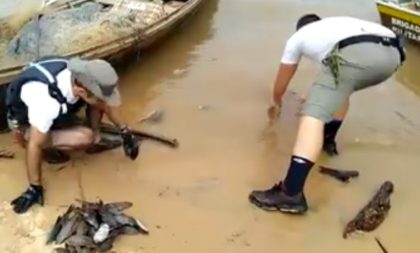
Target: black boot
276	199
33	195
55	156
330	147
330	133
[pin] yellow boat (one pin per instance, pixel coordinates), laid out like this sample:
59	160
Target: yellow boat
402	16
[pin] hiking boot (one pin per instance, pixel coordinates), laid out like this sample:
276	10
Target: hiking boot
55	156
276	199
27	199
330	148
103	145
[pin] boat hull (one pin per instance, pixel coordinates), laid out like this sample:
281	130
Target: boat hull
111	51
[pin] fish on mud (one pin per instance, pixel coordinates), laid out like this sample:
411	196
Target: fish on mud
125	220
373	213
80	241
79	226
82	228
117	207
59	224
342	175
68	228
107	244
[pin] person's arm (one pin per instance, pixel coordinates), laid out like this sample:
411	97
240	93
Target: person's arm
284	75
130	142
114	116
288	66
112	113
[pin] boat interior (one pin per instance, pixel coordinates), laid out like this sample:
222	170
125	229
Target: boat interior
169	5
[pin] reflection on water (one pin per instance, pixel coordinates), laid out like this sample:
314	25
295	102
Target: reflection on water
144	75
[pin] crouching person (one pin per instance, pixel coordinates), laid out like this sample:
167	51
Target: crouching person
42	104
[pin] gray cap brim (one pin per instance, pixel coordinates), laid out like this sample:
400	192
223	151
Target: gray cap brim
97	75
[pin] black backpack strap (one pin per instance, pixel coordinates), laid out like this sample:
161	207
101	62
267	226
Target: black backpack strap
53	89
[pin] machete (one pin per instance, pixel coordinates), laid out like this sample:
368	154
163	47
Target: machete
109	129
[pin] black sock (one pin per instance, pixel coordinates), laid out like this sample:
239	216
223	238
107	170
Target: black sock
296	175
37	188
331	129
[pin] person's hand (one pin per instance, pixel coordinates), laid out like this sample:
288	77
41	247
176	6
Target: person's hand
274	112
30	197
130	143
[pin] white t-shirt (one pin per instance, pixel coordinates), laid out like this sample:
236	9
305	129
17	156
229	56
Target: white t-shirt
317	39
42	108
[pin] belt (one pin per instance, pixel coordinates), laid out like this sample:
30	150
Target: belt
386	41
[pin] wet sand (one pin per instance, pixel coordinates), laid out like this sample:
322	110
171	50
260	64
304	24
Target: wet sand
194	199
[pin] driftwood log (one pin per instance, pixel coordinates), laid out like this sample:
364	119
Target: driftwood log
107	128
342	175
374	213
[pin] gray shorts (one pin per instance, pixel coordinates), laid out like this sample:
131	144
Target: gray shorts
365	65
25	130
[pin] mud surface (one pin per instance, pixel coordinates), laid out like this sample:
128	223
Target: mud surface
213	79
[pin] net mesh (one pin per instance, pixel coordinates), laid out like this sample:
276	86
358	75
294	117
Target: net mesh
81	27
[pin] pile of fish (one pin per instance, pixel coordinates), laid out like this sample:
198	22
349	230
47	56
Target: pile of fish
93	227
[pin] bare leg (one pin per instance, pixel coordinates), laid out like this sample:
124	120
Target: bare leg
73	138
309	138
341	114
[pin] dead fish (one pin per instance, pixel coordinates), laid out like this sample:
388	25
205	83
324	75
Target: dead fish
117	207
56	228
108	243
82	228
89	205
90	216
374	213
83	250
129	230
342	175
69	228
108	218
154	117
59	225
125	220
61	250
70	249
80	241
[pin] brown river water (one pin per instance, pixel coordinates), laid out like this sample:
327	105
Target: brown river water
194	199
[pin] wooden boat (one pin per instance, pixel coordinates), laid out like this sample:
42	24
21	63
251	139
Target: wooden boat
175	13
402	16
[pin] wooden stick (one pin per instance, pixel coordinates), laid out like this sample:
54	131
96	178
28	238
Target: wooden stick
107	128
384	250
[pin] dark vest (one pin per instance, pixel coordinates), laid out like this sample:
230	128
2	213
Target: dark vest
44	70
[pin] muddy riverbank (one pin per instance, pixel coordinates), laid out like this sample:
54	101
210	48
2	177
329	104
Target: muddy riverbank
195	199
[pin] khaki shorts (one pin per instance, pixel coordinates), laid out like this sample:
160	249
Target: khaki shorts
25	130
365	65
